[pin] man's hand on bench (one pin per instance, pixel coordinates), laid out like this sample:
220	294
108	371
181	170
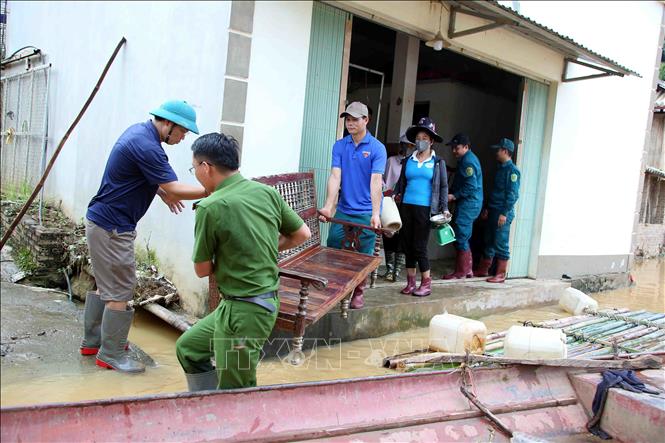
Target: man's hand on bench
325	214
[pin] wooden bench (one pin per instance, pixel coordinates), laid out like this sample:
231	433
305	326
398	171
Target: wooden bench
313	278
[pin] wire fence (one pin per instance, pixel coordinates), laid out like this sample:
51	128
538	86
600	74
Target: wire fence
24	127
3	28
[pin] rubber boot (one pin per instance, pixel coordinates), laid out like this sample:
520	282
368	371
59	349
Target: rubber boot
390	266
92	324
112	354
358	298
500	276
400	262
203	381
483	267
410	285
459	267
425	288
468	268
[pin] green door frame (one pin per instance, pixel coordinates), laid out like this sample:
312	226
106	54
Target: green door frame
322	95
531	156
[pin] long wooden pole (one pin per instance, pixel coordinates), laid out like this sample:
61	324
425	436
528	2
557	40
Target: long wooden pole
493	418
643	362
40	185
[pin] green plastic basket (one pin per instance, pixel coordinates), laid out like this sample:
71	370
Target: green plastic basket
445	235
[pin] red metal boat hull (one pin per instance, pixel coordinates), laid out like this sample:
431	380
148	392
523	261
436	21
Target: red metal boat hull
538	401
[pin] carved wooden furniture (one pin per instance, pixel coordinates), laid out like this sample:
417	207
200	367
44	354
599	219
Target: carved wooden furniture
314	278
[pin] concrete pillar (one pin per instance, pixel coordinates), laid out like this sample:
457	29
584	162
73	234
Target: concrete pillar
403	89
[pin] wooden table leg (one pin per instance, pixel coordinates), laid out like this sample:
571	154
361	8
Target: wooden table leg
377	252
344	306
296	356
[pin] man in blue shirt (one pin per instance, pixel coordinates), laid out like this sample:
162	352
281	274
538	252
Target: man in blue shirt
356	176
137	169
500	213
467	193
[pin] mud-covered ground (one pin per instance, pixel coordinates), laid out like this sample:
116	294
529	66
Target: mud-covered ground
41	332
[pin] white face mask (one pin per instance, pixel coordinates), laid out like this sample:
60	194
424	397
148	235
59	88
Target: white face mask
422	145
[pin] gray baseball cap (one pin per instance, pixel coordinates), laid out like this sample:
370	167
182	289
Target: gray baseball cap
356	110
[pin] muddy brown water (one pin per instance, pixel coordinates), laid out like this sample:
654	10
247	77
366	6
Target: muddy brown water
359	358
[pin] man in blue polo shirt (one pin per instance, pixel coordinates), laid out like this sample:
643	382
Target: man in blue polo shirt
137	169
356	176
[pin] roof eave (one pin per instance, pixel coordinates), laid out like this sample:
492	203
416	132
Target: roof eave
541	34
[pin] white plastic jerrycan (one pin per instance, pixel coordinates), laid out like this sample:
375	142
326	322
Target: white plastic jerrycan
575	301
451	333
534	343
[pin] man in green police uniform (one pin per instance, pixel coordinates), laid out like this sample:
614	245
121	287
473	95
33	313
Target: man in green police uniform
239	229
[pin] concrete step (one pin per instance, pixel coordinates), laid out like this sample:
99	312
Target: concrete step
387	311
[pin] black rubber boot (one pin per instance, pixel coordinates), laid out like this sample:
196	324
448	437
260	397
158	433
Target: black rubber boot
203	381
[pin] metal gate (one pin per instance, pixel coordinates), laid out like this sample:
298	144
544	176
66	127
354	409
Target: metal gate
24	127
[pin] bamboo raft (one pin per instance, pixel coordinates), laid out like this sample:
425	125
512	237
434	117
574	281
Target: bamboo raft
596	335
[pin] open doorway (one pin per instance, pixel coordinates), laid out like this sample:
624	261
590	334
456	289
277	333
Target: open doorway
370	71
458	93
474	98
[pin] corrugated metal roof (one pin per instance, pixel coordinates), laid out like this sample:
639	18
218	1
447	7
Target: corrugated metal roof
541	34
655	171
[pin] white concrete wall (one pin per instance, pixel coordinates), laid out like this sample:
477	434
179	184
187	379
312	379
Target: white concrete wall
276	91
599	128
173	50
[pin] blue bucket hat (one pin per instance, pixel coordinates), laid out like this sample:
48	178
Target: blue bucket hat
504	143
178	112
424	124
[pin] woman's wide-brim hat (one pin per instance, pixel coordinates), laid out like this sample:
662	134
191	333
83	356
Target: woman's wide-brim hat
424	124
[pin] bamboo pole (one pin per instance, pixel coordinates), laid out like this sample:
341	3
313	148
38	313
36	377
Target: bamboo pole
495	336
625	318
568	321
47	171
654	336
588	351
644	362
638	354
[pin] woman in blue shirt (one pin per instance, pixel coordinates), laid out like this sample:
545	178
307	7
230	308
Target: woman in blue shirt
422	190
